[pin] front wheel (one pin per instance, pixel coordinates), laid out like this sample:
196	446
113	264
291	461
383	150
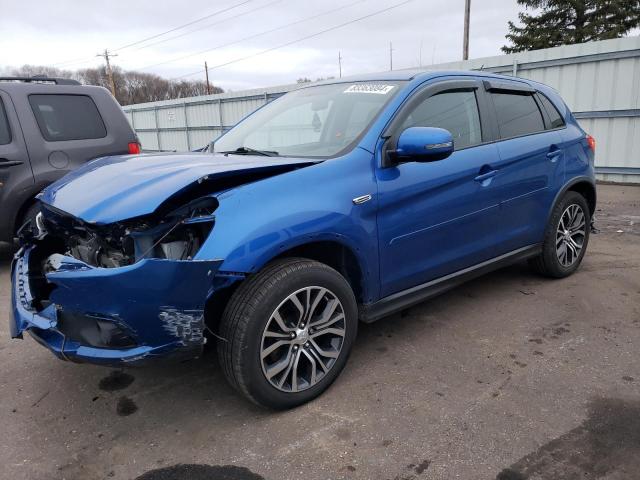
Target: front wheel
286	332
566	237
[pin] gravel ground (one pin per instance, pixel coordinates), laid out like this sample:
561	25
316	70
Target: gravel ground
511	376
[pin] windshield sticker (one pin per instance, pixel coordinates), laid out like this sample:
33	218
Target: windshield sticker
376	88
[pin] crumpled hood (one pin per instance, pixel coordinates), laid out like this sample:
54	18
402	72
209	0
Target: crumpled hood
112	189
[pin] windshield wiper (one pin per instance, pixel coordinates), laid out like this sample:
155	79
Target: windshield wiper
251	151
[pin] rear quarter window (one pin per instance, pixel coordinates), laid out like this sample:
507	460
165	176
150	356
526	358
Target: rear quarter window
517	114
67	117
554	116
5	131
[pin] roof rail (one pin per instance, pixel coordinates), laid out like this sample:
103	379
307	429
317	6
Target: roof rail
41	79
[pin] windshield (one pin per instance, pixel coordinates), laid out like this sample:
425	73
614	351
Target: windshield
319	121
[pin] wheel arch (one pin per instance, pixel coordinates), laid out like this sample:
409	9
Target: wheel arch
27	199
332	252
336	255
585	186
24	207
588	191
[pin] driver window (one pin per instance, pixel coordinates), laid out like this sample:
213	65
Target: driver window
456	111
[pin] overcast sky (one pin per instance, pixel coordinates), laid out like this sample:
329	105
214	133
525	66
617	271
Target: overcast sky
70	33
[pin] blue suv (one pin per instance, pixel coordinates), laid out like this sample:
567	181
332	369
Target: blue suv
338	202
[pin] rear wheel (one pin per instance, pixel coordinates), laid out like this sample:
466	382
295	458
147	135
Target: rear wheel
566	237
288	332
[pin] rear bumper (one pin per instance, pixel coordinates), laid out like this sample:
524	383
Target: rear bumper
154	308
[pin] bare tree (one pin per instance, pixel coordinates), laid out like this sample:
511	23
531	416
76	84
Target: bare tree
131	86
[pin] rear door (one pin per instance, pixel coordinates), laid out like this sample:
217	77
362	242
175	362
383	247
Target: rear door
530	157
66	126
16	176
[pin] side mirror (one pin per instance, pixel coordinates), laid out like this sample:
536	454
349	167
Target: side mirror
423	144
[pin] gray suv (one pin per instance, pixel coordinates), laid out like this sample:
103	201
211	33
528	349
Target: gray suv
48	127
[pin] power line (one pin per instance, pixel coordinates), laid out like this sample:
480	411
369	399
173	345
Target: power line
256	35
72	62
218	12
266	5
335	27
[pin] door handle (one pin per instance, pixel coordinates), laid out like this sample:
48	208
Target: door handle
4	162
484	176
554	155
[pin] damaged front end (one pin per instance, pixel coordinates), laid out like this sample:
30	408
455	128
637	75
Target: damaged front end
116	293
112	270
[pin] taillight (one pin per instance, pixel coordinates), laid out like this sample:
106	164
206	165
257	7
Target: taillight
134	148
591	142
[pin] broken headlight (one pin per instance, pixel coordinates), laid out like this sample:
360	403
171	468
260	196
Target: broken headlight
177	235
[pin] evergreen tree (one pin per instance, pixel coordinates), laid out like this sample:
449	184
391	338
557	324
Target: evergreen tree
563	22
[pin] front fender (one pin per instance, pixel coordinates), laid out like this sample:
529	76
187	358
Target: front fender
257	222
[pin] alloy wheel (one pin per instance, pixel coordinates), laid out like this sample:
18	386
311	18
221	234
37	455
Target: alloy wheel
302	339
570	235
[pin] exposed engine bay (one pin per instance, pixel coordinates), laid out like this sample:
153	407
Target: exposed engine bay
178	235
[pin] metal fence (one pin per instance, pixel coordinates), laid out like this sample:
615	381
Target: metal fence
190	123
600	81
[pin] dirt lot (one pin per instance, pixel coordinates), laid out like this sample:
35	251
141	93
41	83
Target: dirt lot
511	376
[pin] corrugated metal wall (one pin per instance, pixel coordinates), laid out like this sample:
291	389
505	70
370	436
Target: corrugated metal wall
600	81
190	123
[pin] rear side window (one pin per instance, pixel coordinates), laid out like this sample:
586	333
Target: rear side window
554	116
517	114
5	131
456	111
67	117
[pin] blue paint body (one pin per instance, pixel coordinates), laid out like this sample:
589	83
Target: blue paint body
425	220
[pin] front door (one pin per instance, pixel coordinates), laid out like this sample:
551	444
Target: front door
439	217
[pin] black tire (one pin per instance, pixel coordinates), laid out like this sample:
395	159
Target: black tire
250	309
548	262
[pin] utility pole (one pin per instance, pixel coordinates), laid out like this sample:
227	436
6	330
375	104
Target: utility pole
339	64
390	56
465	39
206	72
106	56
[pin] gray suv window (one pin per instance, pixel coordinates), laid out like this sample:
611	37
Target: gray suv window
517	114
67	117
5	131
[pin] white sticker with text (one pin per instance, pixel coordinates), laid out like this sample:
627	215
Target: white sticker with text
376	88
